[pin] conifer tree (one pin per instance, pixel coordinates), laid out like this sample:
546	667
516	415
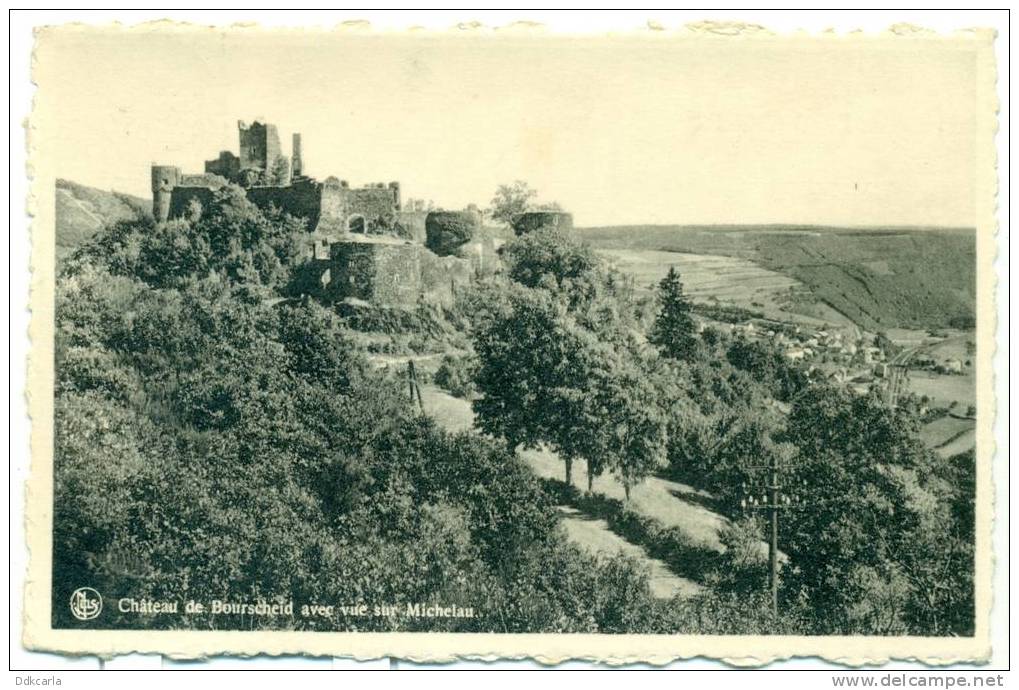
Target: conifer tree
674	330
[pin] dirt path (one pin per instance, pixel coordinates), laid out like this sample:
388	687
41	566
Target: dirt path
671	503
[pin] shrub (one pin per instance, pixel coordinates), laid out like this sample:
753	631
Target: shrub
744	565
456	375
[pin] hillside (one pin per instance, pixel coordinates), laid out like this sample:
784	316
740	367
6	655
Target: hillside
878	278
81	211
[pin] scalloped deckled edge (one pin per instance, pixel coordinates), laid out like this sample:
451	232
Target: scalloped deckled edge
543	648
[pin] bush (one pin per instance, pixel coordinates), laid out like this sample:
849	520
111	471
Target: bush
456	375
744	565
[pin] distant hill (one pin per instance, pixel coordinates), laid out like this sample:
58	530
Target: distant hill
81	211
878	277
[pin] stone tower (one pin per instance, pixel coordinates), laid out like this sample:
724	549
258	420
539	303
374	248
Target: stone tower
260	145
164	179
296	164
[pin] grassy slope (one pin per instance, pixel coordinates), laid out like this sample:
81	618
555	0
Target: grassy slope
879	278
670	503
595	535
950	435
81	211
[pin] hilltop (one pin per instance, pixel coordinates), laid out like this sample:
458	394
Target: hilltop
82	210
879	278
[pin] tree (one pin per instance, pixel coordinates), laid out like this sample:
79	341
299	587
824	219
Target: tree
552	375
550	258
884	343
674	331
881	549
534	367
511	200
767	366
419	205
630	429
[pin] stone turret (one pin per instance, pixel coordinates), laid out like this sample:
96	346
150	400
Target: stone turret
164	179
524	223
395	187
296	163
260	145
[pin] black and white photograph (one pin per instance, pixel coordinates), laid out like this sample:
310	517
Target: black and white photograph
626	339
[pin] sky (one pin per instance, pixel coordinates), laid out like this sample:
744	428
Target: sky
620	130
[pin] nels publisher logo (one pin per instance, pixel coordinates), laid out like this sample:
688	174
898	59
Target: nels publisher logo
86	603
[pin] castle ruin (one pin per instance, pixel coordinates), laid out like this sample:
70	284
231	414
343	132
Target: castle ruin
364	246
272	179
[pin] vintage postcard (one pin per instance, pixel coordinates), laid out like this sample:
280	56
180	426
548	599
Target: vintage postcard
502	343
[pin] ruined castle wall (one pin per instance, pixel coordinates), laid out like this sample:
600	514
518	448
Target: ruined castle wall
383	273
373	203
207	179
443	277
341	204
398	275
395	274
529	222
332	219
413	224
226	165
482	252
302	199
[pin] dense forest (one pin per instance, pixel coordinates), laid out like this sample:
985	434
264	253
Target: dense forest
218	435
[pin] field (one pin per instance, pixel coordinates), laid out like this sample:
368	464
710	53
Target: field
711	278
959	346
944	389
960	444
877	278
949	435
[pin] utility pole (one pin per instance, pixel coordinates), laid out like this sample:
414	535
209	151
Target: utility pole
773	543
771	501
415	388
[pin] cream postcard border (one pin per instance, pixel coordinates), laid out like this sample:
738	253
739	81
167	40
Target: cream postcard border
545	648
